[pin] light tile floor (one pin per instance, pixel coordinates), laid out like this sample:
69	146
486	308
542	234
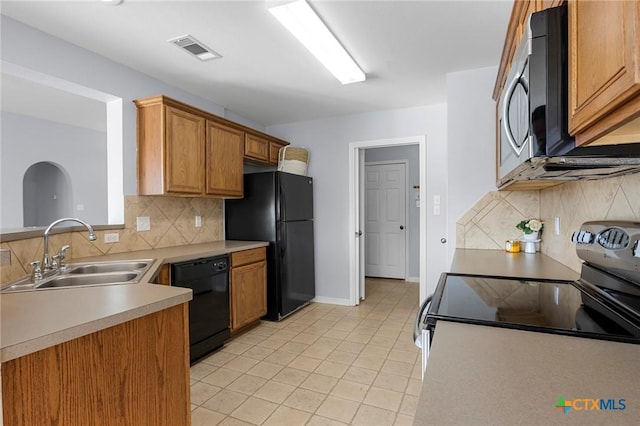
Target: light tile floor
324	365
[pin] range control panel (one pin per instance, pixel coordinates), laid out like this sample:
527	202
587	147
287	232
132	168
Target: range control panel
612	245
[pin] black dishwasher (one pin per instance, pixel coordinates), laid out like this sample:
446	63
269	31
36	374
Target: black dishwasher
209	308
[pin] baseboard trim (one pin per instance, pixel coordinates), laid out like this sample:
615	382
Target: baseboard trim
413	279
331	301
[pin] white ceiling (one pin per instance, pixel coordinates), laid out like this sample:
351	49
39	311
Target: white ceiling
406	48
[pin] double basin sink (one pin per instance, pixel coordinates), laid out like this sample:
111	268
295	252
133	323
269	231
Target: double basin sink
85	274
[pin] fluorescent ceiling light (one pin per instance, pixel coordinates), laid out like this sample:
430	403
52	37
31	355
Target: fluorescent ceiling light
306	26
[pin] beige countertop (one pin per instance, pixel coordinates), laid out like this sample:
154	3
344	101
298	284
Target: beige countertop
34	320
518	265
479	375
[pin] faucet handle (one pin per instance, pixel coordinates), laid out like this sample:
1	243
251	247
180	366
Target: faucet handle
54	261
62	255
36	272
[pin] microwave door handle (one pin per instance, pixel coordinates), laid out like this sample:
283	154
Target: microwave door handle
505	113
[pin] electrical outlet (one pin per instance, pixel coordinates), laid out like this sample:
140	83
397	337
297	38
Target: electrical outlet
112	238
5	257
143	223
198	221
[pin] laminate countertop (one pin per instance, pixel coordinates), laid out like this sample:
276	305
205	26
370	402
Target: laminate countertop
478	375
516	265
35	320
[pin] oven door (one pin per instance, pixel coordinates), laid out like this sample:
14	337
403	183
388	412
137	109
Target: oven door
515	143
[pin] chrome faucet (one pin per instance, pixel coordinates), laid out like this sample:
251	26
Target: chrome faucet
47	264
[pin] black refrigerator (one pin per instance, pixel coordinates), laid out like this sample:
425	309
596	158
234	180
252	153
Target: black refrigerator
278	207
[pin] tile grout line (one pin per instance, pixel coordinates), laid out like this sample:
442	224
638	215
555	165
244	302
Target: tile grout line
401	323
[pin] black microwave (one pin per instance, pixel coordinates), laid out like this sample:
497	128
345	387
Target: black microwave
533	106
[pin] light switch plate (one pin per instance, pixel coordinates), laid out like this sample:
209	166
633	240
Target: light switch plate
198	221
143	223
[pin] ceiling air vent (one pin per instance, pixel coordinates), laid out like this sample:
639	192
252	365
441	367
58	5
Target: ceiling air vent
195	48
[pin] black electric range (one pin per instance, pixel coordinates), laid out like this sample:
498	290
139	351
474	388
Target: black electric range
603	304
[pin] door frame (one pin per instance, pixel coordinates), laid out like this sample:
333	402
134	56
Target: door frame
356	268
407	195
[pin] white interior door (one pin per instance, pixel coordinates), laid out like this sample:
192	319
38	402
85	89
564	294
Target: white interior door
385	215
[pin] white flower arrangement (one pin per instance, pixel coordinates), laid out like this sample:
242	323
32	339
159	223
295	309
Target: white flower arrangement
529	226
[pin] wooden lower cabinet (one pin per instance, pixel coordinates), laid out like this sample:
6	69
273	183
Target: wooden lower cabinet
247	287
135	373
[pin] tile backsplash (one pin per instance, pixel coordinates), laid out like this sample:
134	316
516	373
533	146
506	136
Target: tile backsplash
578	202
172	224
492	220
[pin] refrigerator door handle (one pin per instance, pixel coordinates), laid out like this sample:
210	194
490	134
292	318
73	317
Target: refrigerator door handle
283	241
282	204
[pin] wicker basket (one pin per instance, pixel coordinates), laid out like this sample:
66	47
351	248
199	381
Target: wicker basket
292	159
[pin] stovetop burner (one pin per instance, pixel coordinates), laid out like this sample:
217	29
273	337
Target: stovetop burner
604	303
548	306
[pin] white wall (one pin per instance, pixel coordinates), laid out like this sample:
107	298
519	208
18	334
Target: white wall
471	142
328	141
27	140
411	154
28	47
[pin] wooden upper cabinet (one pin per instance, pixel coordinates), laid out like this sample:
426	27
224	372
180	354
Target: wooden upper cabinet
185	151
184	147
224	152
604	66
274	149
256	147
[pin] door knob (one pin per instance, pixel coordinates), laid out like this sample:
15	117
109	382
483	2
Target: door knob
401	227
443	240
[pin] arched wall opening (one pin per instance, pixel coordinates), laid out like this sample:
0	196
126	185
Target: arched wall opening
46	194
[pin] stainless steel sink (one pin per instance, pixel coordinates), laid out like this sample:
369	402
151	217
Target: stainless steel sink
85	274
83	280
99	268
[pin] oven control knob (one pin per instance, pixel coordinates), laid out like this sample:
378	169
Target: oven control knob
636	249
574	237
586	237
582	237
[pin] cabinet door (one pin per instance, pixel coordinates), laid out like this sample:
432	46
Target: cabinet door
256	147
604	51
224	154
248	294
274	148
184	161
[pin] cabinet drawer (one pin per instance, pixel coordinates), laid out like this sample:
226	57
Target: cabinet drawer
245	257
